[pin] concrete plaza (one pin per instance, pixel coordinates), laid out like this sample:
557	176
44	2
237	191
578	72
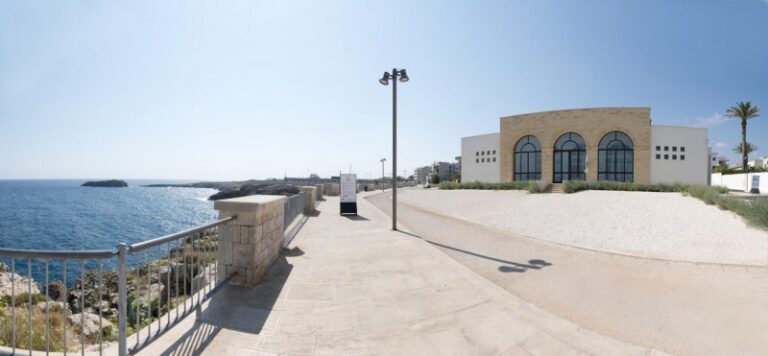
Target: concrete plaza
351	286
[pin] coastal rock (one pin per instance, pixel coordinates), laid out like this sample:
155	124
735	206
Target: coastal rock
89	324
253	189
112	183
22	284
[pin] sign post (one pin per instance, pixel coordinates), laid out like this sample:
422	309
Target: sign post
755	184
348	194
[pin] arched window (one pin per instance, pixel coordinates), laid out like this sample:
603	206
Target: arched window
616	158
570	158
528	159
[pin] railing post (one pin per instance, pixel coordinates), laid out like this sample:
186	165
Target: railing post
122	311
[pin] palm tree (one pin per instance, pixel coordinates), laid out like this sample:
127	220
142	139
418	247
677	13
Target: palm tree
743	111
751	147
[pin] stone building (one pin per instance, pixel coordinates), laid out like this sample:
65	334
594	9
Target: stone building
598	144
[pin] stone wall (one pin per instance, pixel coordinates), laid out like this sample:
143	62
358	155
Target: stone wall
591	124
310	196
250	244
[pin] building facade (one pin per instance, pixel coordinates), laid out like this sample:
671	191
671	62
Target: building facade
600	144
480	158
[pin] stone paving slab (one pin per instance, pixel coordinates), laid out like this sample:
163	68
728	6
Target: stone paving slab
351	286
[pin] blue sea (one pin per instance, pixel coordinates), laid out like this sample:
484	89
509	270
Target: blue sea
62	215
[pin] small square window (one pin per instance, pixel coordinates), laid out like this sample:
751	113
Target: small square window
666	148
682	148
477	153
682	157
482	153
674	148
494	159
494	151
482	160
477	160
666	156
674	157
658	148
658	156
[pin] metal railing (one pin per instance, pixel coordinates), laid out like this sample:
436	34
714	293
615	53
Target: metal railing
294	206
157	282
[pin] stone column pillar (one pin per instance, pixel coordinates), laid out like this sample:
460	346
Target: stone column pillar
309	198
591	164
319	191
250	244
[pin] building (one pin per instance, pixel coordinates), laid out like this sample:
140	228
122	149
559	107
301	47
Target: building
761	162
443	170
480	158
422	174
599	144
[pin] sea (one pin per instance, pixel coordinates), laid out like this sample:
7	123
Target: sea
62	215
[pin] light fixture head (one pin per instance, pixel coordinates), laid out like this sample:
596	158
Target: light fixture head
403	76
385	79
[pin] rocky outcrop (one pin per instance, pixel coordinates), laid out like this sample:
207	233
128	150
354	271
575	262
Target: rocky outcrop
112	183
7	279
89	324
254	189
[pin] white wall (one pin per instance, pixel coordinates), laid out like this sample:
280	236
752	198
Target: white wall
694	169
475	150
736	181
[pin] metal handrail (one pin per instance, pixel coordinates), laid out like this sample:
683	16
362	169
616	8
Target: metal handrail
57	255
140	246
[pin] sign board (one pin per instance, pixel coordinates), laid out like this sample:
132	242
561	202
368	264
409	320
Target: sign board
348	194
755	184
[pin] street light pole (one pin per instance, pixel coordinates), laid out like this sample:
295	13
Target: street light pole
382	173
402	76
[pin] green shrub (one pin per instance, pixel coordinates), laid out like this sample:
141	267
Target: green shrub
530	186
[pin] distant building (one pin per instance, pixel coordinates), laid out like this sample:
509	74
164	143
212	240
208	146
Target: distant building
422	174
442	170
601	144
761	162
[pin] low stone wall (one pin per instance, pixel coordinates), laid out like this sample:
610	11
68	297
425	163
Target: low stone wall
310	196
332	189
251	244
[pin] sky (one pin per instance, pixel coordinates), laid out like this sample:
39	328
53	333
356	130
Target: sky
225	90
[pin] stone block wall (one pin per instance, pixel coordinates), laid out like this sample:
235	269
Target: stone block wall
319	191
591	124
249	245
310	196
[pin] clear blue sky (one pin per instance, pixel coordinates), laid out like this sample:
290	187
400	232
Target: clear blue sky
253	89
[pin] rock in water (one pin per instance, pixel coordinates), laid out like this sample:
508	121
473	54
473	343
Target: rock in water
112	183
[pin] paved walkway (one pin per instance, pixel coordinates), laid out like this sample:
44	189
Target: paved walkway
349	285
682	308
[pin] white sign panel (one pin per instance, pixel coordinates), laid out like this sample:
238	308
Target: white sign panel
755	182
348	188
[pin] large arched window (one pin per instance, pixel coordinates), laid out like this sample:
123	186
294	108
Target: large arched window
616	159
570	158
528	159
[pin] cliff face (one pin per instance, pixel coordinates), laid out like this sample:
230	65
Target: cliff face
112	183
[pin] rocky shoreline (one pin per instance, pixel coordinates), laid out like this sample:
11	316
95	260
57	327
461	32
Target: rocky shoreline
227	190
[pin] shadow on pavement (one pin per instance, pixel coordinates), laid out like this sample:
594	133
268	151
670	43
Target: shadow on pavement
236	307
356	217
193	341
509	266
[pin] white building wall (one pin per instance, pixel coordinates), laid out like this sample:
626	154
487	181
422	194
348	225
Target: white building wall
480	158
739	183
679	155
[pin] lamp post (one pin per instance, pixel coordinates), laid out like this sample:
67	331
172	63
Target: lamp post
382	173
403	77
